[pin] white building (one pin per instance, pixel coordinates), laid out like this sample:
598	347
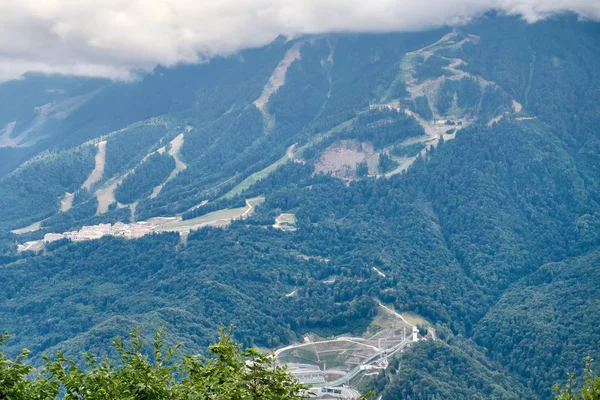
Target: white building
307	375
53	237
339	393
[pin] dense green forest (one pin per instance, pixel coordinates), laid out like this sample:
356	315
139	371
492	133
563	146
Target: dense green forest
552	313
449	370
151	173
493	237
125	150
228	373
33	192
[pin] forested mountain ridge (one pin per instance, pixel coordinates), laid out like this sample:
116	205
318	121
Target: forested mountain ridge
461	164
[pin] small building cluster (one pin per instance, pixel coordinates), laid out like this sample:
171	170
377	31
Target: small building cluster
133	231
128	231
307	374
395	106
120	229
339	393
312	376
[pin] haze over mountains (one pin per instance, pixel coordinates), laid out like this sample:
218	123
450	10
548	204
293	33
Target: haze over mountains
452	174
119	39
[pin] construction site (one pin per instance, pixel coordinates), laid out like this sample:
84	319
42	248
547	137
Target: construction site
139	229
332	368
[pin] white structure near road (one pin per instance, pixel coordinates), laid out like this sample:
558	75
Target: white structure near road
334	393
219	218
348	357
307	374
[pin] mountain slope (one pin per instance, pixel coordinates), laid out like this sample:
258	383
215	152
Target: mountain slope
546	322
454	370
438	172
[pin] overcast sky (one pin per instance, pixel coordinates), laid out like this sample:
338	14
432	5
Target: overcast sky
111	38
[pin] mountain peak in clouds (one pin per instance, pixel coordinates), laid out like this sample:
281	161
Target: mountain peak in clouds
112	39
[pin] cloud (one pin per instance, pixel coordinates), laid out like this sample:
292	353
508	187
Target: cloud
111	38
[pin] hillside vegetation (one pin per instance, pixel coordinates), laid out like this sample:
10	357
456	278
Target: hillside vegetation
453	174
229	373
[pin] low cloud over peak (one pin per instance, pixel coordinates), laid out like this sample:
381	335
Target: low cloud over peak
111	38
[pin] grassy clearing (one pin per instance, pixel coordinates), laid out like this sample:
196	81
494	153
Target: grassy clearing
208	219
383	320
31	228
220	217
387	318
301	355
262	174
106	196
255	177
415	319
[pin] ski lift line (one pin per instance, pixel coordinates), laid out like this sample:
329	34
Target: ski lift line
395	313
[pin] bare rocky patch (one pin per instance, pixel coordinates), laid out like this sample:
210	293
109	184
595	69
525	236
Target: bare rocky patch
277	78
67	202
342	158
440	127
495	120
285	222
6	139
517	107
430	87
98	171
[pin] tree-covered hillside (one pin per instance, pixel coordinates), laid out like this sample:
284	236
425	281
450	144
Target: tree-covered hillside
450	370
553	314
452	174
